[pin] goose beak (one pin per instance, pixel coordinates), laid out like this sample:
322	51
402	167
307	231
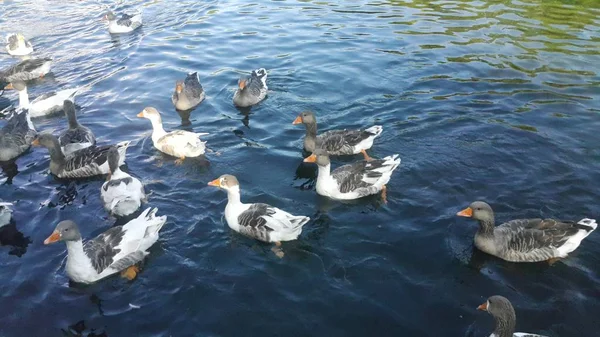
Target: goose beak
467	212
242	84
178	88
9	87
215	183
141	114
52	238
298	120
482	307
310	159
36	142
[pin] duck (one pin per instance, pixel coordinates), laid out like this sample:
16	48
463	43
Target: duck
5	213
353	181
46	104
127	23
77	136
504	315
116	250
188	93
251	89
526	240
121	194
16	135
18	45
26	70
179	143
88	162
259	221
337	142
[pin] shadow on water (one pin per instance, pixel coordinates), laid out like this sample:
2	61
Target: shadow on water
11	236
246	112
79	329
10	170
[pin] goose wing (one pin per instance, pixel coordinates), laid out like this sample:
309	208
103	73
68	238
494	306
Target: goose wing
103	249
260	220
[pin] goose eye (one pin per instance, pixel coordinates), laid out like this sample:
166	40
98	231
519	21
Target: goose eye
66	229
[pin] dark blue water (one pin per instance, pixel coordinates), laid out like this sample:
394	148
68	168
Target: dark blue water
491	100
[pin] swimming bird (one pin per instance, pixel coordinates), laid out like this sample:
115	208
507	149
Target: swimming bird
18	45
5	213
337	142
526	240
259	221
88	162
26	70
45	104
504	315
77	136
127	23
188	93
179	143
117	249
121	194
252	89
354	180
16	135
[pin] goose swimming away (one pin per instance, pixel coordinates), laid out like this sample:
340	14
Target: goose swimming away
26	70
18	45
179	143
121	194
353	181
88	162
251	89
116	250
504	315
16	135
259	221
526	240
77	136
46	104
188	93
127	23
337	142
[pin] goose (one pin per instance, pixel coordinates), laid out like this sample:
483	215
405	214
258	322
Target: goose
337	142
188	93
179	143
46	104
18	45
127	23
26	70
121	194
117	249
526	240
504	315
5	213
353	181
259	221
88	162
252	89
16	135
77	136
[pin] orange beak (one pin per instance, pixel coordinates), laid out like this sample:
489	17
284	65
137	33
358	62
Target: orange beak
9	87
482	307
215	183
242	84
52	238
467	212
298	120
310	159
141	114
36	142
178	88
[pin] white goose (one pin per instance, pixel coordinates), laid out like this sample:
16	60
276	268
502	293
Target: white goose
127	23
45	104
18	45
179	143
117	249
121	194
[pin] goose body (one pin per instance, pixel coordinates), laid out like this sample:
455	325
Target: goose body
526	240
504	315
188	93
125	24
46	104
113	251
16	135
5	213
17	45
26	70
259	221
252	89
77	136
121	194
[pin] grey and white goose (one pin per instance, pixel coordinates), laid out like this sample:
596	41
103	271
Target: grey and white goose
26	70
18	45
43	105
252	89
77	136
337	142
188	93
88	162
117	249
121	194
353	181
125	24
259	221
5	213
16	135
504	315
526	240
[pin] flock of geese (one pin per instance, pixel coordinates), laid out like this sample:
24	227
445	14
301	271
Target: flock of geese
74	154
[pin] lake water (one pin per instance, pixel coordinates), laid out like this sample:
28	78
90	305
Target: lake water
492	100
